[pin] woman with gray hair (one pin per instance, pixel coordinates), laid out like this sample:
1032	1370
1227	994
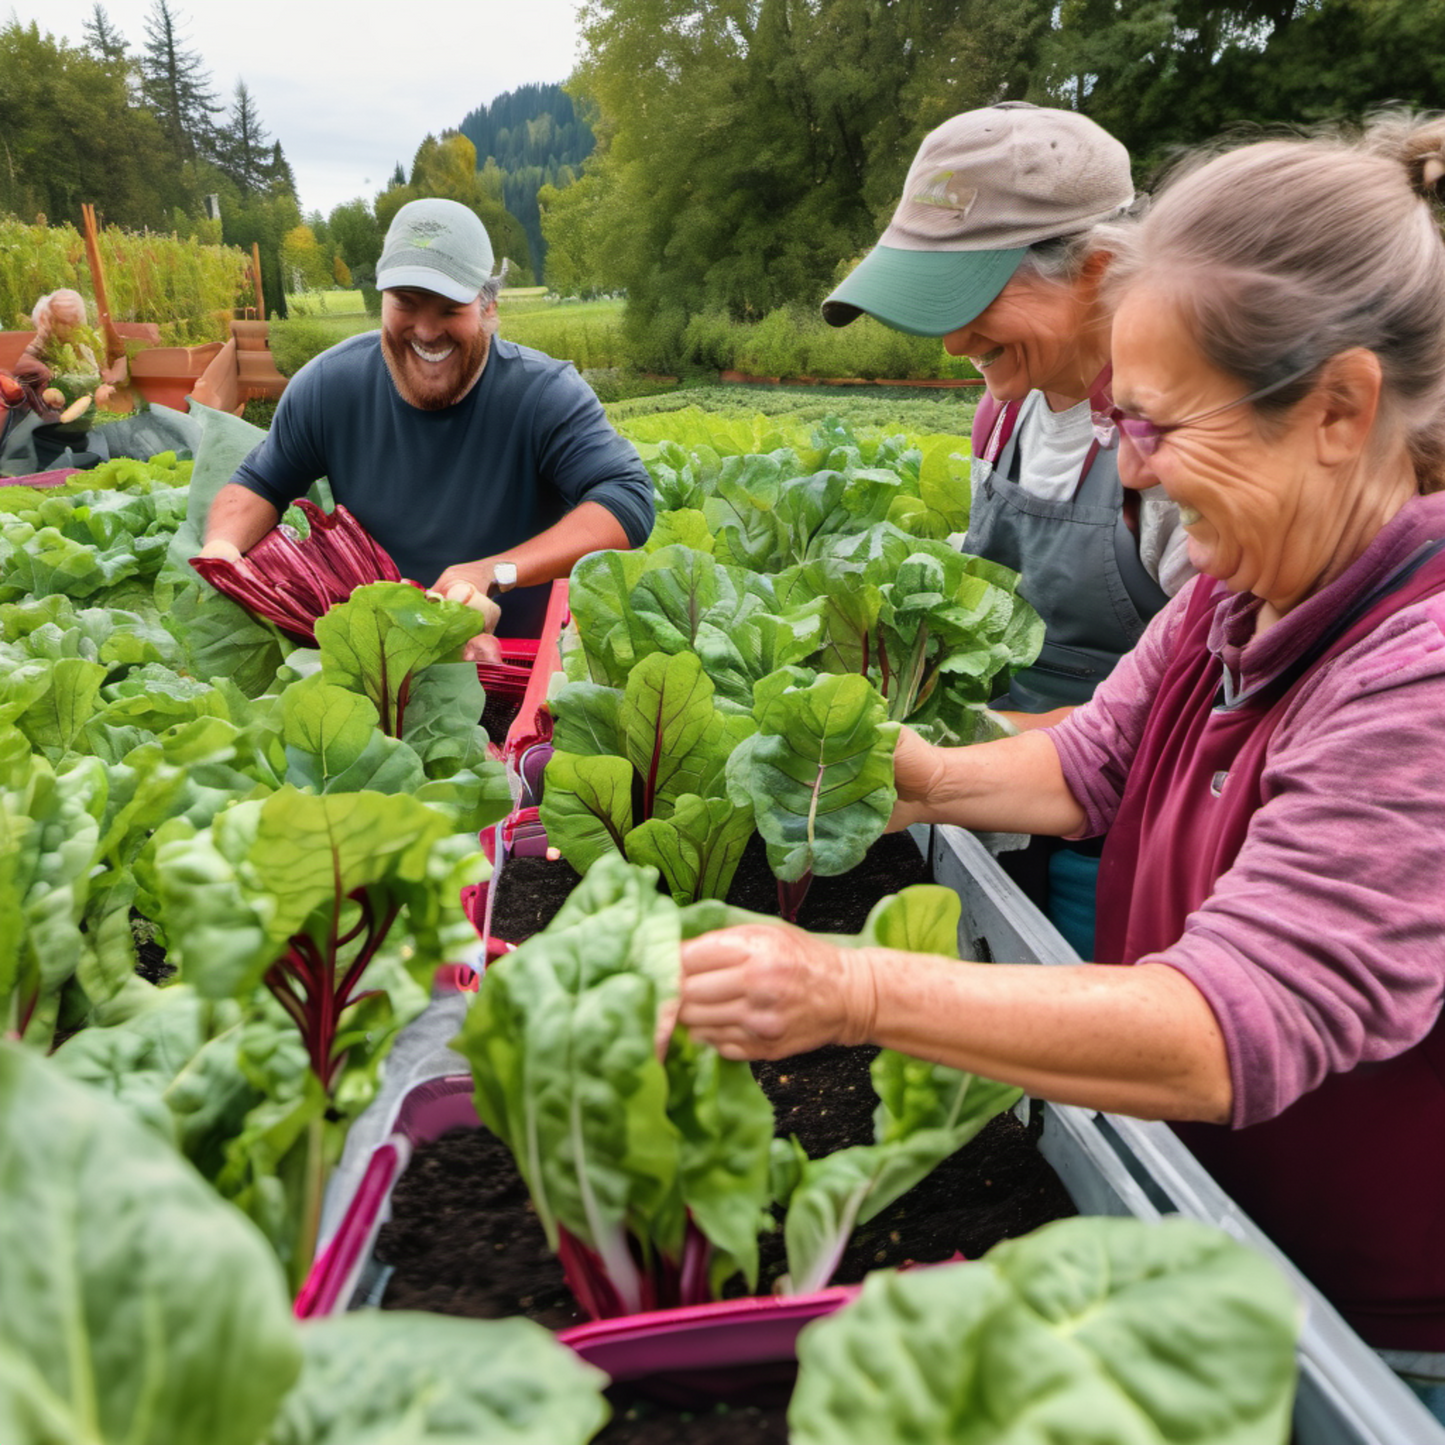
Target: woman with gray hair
995	247
1266	761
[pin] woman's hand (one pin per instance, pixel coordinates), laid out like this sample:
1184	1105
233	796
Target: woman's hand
917	778
765	992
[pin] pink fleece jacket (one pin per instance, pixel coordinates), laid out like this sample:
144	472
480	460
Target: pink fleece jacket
1323	947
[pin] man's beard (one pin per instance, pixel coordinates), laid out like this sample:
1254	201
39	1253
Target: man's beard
437	396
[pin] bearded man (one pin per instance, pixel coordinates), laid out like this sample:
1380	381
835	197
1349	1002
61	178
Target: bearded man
468	458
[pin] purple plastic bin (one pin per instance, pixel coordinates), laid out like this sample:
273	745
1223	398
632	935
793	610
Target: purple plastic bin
724	1348
427	1112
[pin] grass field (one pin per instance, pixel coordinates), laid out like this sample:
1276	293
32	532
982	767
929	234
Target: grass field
588	333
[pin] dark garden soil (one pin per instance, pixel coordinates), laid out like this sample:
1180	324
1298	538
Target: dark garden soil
463	1238
498	714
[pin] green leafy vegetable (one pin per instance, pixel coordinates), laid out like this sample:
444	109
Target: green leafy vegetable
619	1150
387	632
1091	1329
169	1322
397	1378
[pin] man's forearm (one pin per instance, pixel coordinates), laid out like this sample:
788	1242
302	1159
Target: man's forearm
239	516
588	527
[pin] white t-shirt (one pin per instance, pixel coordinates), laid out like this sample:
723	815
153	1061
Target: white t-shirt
1052	446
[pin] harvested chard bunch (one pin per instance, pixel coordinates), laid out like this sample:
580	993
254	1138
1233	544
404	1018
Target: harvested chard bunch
292	580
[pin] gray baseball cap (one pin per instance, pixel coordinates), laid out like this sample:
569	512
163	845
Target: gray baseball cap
983	188
436	245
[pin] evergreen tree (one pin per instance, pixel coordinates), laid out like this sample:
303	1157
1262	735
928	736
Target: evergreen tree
176	84
243	146
280	179
102	38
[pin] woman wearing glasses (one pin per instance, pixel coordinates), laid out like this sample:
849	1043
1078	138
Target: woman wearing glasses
996	247
1267	760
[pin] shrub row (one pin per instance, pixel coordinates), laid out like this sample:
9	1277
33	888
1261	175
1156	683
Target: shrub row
190	290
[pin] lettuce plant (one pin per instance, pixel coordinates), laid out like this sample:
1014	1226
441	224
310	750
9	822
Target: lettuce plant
1166	1333
172	1323
651	1176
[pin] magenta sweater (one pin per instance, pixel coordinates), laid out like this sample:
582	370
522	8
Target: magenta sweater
1323	946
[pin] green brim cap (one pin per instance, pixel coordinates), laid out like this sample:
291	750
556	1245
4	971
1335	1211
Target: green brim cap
927	293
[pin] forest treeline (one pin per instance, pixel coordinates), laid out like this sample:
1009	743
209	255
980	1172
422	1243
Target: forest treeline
746	153
749	151
533	137
136	127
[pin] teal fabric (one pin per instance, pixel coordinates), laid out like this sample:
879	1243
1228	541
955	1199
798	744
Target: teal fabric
1431	1393
1073	883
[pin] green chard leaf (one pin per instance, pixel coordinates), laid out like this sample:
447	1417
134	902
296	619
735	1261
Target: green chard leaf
818	772
171	1323
385	633
1092	1329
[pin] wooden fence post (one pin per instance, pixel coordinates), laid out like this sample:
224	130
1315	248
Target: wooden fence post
256	277
114	346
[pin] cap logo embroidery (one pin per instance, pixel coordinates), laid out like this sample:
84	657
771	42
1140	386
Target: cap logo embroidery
943	192
423	233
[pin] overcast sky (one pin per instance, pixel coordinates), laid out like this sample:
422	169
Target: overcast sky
350	89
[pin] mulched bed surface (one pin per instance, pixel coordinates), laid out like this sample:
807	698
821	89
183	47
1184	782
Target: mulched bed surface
463	1238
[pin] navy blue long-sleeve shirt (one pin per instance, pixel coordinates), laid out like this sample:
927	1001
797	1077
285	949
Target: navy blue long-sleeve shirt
527	444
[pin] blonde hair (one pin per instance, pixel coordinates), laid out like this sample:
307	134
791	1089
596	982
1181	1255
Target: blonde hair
1288	251
41	314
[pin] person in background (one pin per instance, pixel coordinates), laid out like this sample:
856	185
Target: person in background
62	364
1266	760
995	246
470	459
65	345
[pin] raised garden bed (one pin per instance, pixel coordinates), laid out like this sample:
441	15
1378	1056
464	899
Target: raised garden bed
463	1239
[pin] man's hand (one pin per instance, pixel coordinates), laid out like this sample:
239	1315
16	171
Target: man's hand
480	574
224	550
767	992
482	648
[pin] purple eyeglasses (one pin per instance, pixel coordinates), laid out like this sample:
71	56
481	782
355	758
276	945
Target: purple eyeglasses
1145	435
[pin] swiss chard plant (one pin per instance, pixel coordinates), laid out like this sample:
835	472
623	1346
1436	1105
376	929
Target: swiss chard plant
1167	1333
934	630
173	1324
818	774
651	1176
342	906
291	579
640	772
628	605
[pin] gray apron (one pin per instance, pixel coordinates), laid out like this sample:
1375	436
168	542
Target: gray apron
1080	568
